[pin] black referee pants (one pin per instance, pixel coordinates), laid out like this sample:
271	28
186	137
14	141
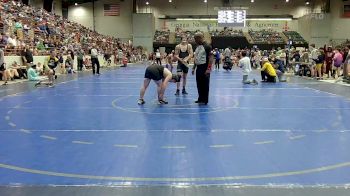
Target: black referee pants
202	83
94	61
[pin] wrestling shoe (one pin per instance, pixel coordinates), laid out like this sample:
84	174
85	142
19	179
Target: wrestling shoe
161	102
37	84
141	102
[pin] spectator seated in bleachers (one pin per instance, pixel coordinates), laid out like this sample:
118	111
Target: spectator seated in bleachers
161	36
295	37
227	32
26	31
266	37
180	33
47	31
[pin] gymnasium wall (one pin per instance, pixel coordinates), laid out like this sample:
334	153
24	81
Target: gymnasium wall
143	30
118	26
57	7
213	25
340	27
198	7
36	3
321	28
315	28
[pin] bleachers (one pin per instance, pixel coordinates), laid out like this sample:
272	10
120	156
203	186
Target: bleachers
161	36
266	37
262	37
179	33
44	31
227	32
25	26
295	37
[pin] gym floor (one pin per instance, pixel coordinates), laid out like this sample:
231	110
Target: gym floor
89	131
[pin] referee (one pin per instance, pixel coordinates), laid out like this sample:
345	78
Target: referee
202	65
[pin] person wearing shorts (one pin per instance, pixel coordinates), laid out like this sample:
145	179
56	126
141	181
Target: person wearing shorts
319	64
337	62
161	76
183	53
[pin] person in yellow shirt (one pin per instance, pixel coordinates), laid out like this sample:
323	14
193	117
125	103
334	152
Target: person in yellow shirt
268	73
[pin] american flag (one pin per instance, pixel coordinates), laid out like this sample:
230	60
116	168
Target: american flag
111	9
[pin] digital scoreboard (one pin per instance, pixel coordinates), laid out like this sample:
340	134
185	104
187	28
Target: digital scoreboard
232	18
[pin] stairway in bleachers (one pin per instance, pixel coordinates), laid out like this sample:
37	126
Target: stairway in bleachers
249	38
172	39
285	38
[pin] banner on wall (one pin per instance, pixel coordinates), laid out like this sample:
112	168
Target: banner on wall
193	25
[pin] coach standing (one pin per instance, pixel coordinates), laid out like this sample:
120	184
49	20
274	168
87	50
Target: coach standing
203	61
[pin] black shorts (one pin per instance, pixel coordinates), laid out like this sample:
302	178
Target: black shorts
182	68
154	73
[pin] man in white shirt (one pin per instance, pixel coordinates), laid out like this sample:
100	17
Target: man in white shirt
245	64
158	57
94	60
227	52
12	42
313	57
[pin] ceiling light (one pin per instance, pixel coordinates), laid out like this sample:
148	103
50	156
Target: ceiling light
252	1
307	3
75	4
147	3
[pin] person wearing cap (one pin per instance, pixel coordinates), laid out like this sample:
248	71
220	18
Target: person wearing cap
268	73
161	76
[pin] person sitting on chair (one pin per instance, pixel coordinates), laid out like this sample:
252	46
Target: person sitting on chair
161	76
268	73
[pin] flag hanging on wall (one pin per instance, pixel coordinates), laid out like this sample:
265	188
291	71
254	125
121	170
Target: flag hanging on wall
346	11
111	10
